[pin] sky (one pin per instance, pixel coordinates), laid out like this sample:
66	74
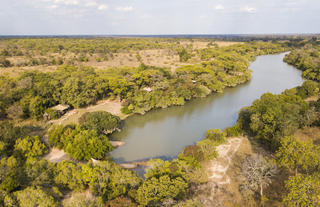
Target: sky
156	17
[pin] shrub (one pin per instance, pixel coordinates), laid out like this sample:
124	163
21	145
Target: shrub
233	131
4	62
216	135
53	114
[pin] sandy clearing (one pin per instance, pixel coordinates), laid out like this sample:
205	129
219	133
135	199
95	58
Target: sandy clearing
113	107
55	155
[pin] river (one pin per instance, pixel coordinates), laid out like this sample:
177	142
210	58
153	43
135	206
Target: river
163	133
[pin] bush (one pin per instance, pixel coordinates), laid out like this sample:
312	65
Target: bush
208	148
30	147
4	62
216	135
156	190
53	114
233	131
100	121
55	135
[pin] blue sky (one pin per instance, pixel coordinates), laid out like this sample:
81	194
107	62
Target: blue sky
67	17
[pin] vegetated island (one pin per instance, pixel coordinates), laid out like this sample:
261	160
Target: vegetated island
41	78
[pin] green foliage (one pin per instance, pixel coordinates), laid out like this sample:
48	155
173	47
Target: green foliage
193	155
208	148
274	116
53	114
303	190
10	174
56	134
173	169
68	175
308	88
4	62
39	172
184	55
156	190
109	180
8	136
30	147
216	135
80	86
35	196
306	59
298	156
81	144
100	121
233	131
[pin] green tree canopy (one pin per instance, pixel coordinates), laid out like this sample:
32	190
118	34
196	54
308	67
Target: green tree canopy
100	121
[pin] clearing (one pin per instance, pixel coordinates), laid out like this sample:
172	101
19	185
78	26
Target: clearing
72	116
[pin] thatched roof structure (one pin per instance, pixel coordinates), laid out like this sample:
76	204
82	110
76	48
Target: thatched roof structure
61	107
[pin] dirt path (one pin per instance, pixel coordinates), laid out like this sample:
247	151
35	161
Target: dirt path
219	167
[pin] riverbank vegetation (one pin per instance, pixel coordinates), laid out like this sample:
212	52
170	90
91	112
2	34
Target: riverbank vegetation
79	79
274	120
31	94
307	59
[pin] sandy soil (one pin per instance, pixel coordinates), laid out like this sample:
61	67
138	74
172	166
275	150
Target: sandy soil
225	175
220	166
113	107
55	155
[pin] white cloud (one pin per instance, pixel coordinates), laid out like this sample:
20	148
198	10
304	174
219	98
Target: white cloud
103	7
67	2
90	4
249	9
124	9
52	6
219	7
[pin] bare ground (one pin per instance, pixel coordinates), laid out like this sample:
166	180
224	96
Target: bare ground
55	155
113	107
225	176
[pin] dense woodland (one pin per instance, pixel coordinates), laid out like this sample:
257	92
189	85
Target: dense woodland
27	179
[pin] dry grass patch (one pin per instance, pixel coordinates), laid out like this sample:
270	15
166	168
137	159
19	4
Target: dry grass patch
308	133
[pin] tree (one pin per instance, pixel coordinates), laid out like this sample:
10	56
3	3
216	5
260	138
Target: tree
35	196
87	144
30	147
55	135
39	172
9	134
10	174
303	191
100	121
68	175
257	174
156	190
298	156
108	180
